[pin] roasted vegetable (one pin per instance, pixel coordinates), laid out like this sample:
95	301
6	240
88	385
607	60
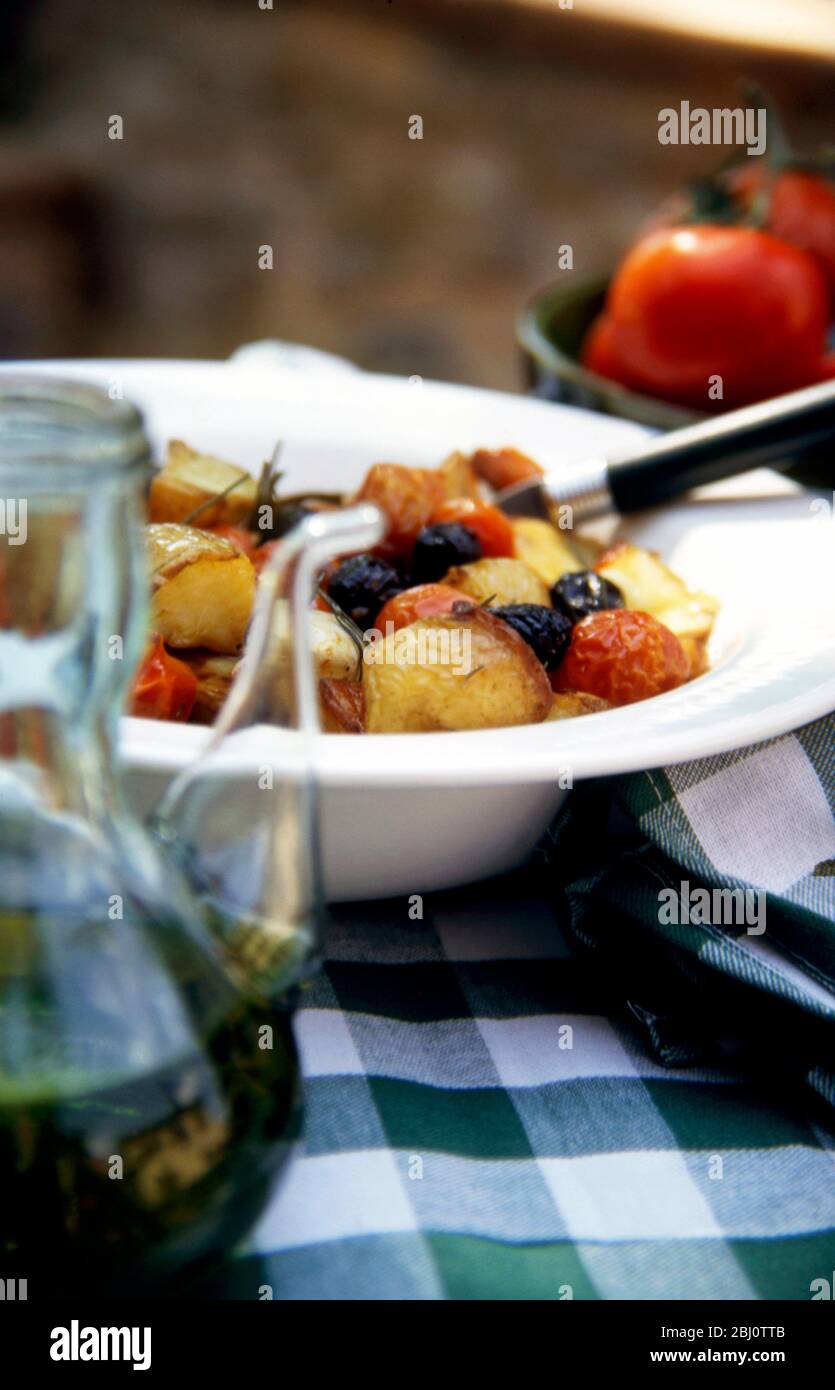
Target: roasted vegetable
190	480
589	549
463	670
568	704
500	580
335	653
361	585
214	676
583	592
548	551
623	657
164	688
422	601
647	583
458	477
486	647
171	546
546	631
341	706
406	496
494	531
243	540
207	604
438	548
336	657
503	468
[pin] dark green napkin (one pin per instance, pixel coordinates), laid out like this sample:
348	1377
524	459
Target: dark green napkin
708	892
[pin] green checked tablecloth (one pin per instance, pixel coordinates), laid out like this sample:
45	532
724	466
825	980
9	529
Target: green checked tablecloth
540	1091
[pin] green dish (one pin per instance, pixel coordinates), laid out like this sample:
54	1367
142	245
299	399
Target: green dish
550	332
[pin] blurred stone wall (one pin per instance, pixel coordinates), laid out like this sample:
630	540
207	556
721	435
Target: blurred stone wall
289	127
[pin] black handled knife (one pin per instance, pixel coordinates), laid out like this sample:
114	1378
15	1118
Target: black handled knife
774	432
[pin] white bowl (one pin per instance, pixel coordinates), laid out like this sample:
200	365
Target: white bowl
408	813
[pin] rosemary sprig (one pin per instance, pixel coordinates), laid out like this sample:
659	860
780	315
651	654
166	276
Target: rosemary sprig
268	480
216	497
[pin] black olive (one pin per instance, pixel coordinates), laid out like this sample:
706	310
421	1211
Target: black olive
438	548
361	585
583	592
288	516
546	630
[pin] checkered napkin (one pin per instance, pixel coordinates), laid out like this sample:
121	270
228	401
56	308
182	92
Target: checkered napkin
484	1120
756	980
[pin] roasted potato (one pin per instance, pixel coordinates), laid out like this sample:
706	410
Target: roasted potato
456	671
550	553
587	548
570	703
502	579
207	604
171	546
189	479
458	477
341	706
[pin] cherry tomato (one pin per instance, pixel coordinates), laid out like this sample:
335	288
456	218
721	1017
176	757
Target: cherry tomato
691	307
488	523
622	656
407	496
261	556
802	211
423	601
164	688
503	468
242	539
